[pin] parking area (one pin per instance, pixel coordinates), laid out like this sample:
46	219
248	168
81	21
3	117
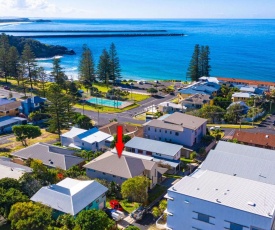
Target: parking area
6	93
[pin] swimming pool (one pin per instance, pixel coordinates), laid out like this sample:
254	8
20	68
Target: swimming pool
105	102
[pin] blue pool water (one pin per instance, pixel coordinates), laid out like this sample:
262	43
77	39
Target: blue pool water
105	102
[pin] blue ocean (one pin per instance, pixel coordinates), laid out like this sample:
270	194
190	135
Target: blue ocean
239	48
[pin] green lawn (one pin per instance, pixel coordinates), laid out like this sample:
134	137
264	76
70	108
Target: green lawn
156	192
105	109
172	176
129	206
229	126
137	97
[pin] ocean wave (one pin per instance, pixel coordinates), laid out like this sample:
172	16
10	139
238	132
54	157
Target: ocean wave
51	58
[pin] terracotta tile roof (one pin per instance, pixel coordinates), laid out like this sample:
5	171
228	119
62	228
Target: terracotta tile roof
258	139
250	82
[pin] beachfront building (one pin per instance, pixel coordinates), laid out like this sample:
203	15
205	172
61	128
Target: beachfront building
239	96
32	104
7	122
197	101
110	167
170	107
50	155
234	188
208	88
70	196
92	139
9	107
177	128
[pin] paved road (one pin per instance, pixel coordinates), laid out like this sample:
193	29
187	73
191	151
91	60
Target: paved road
127	116
5	93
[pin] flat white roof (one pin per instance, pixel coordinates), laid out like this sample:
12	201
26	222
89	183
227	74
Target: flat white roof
73	132
231	191
9	172
96	137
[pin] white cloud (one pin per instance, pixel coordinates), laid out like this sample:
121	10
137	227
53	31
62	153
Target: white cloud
25	4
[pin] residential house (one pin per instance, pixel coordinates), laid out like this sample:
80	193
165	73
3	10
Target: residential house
110	167
70	196
177	128
9	107
234	188
209	79
92	139
7	122
9	169
197	101
32	104
170	107
239	96
50	155
208	88
257	139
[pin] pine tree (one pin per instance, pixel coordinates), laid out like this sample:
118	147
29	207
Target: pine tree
103	68
86	68
28	58
13	63
58	74
4	50
193	69
59	108
22	72
114	64
206	61
42	78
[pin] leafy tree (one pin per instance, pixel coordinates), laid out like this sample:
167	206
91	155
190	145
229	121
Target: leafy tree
29	184
193	72
84	122
7	183
13	63
212	112
152	91
24	132
114	64
125	139
59	108
74	172
86	68
136	189
30	216
22	75
4	57
42	79
29	61
9	197
94	219
234	113
66	221
58	74
103	67
72	89
157	211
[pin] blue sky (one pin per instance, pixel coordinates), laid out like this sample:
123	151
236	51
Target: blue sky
138	8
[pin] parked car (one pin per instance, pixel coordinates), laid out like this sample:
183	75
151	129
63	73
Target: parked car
215	128
115	205
138	213
7	87
115	214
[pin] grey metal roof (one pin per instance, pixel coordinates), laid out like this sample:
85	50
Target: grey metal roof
153	146
13	120
5	161
125	166
70	195
241	165
160	124
234	192
50	155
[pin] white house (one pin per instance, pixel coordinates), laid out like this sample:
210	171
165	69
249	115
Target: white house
72	196
170	107
177	128
234	189
92	139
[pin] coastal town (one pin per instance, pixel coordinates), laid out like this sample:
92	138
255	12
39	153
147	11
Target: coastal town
94	148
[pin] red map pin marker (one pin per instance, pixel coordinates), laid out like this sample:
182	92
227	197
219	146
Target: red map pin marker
119	143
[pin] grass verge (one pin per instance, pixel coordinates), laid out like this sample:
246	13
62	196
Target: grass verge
172	176
228	126
105	109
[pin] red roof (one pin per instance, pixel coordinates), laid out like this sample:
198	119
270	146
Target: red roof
259	139
249	82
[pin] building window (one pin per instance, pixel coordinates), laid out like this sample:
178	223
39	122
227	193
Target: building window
160	138
155	130
203	217
97	201
176	133
165	131
104	173
170	132
82	144
235	226
8	112
114	176
148	128
160	130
